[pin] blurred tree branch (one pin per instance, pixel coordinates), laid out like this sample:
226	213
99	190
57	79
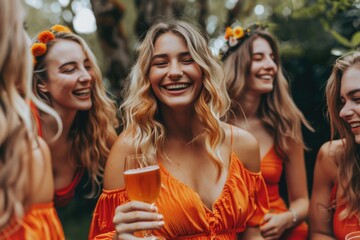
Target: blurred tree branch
113	41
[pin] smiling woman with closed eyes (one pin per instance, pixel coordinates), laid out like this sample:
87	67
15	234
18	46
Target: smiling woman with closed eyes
262	104
67	78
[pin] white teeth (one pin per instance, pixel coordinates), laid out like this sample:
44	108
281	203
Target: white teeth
83	91
267	77
176	86
354	125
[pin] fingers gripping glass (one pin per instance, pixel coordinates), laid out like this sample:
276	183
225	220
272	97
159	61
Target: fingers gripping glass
142	180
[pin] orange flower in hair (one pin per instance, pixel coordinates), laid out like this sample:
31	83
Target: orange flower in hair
45	36
38	49
228	33
60	28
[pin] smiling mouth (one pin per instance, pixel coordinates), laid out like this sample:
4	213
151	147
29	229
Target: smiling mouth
83	92
176	87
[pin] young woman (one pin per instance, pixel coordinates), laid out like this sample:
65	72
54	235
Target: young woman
211	184
67	78
261	104
26	181
334	208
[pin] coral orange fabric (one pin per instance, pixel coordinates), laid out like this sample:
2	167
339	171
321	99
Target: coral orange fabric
342	228
243	202
40	222
271	168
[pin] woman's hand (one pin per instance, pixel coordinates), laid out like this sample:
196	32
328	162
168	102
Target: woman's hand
136	216
275	225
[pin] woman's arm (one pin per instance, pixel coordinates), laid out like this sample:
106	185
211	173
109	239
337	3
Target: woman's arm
324	177
276	223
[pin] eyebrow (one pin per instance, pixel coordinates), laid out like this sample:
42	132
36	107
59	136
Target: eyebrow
163	55
353	91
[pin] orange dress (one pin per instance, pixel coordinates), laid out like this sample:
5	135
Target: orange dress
343	227
271	168
40	222
243	202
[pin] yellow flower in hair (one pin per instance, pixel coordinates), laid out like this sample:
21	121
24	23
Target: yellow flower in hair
45	36
60	28
38	49
238	32
228	33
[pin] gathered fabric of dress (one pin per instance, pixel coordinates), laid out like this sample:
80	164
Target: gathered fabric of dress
343	227
40	222
242	203
271	168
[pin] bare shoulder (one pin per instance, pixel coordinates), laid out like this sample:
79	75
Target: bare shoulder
328	158
246	147
330	152
43	182
114	169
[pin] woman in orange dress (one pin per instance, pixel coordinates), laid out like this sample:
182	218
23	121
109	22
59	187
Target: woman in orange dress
261	104
212	187
26	183
334	207
67	78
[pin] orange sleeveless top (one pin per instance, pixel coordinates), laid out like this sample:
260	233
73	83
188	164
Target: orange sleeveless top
271	168
243	202
343	227
40	222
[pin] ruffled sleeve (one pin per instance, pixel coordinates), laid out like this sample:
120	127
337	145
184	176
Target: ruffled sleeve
102	226
259	202
40	222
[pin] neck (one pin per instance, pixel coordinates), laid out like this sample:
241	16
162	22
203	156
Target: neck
181	124
249	103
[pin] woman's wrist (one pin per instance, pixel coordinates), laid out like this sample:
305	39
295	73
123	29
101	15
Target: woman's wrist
294	216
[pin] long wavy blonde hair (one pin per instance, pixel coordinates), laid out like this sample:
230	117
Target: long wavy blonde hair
140	109
93	131
17	139
277	110
349	167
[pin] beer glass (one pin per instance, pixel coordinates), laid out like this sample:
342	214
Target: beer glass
353	236
142	180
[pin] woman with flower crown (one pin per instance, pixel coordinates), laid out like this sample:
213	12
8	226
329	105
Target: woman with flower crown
67	78
334	207
261	104
26	183
211	184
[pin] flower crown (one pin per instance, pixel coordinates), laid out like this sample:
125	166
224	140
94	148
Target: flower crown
234	37
39	48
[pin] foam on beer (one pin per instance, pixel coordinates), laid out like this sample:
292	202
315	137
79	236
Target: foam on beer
142	170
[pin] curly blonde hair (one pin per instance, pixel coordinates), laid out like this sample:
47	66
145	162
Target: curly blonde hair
277	110
349	167
17	138
140	110
93	131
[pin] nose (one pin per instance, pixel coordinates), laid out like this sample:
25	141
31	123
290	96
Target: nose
85	76
270	63
346	111
175	71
